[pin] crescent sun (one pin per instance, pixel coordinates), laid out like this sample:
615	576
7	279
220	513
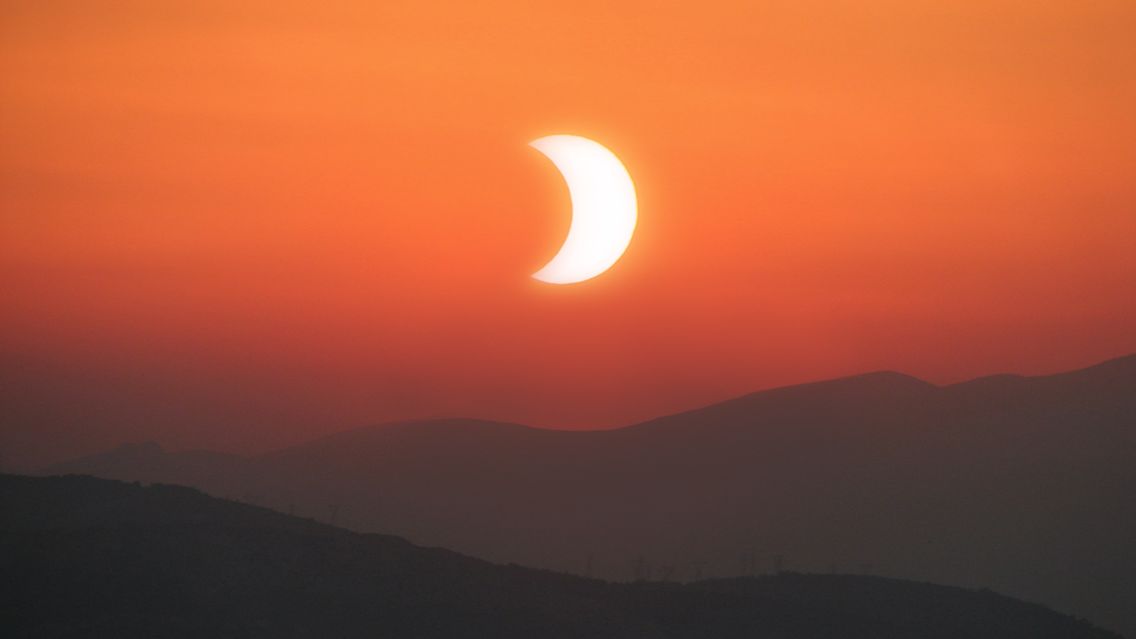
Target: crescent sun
603	208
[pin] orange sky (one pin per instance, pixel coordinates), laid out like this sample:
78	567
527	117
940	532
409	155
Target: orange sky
237	224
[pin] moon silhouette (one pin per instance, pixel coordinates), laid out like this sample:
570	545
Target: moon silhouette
603	208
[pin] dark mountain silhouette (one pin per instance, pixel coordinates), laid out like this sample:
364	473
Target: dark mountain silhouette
89	557
1020	484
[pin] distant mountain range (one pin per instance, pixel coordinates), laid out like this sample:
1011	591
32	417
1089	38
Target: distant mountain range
1025	485
84	557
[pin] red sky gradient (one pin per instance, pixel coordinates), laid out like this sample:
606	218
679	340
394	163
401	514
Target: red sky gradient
240	224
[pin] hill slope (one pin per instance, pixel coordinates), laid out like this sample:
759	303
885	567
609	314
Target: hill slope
88	557
1023	485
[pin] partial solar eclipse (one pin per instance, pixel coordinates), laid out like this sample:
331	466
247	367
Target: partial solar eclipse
603	208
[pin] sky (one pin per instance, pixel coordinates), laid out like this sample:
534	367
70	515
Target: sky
239	225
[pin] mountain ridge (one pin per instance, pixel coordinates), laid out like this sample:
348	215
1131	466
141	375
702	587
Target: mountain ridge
87	556
1019	484
1125	364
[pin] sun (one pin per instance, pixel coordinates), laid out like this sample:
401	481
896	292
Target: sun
604	208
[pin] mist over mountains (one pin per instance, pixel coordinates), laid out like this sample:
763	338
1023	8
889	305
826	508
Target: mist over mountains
1023	485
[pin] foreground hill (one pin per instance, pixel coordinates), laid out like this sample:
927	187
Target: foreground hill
87	557
1019	484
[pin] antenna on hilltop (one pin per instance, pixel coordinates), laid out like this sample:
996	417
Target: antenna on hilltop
639	568
696	570
749	563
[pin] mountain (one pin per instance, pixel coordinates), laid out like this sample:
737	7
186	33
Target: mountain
88	557
1019	484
